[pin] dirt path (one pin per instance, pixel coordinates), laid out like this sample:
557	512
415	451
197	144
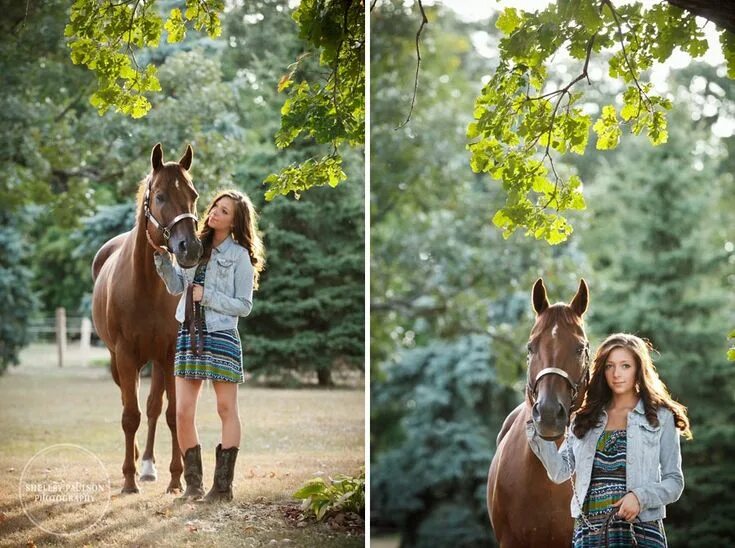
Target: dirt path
289	436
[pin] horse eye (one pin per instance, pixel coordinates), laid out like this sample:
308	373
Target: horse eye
529	347
160	198
581	349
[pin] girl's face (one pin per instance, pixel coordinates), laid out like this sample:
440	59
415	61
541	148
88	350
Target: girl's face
620	372
222	215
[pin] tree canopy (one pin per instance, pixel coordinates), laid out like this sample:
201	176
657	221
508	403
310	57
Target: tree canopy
526	117
113	39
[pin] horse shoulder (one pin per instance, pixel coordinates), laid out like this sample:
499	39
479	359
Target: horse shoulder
104	253
508	423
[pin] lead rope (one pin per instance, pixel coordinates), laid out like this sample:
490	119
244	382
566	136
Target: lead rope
567	457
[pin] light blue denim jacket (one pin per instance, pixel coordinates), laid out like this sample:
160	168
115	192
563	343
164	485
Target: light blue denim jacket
228	284
653	461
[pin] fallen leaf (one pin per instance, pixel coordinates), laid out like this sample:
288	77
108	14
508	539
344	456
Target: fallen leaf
11	469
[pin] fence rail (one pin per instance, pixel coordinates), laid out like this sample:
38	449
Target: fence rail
61	327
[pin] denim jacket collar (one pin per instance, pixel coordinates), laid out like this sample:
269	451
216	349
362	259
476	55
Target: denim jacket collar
225	245
640	408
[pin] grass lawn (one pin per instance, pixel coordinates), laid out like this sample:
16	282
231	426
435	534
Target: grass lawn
289	436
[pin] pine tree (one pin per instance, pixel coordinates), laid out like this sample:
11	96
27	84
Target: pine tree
309	314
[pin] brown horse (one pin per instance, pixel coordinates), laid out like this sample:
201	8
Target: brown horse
526	509
134	314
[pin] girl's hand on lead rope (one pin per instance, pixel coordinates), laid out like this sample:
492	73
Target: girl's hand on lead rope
197	293
628	507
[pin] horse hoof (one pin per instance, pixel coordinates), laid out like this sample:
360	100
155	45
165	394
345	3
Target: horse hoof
148	471
130	490
174	490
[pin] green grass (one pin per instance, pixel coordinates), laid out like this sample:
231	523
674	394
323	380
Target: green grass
289	437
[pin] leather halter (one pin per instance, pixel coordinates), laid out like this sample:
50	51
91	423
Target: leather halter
574	386
165	230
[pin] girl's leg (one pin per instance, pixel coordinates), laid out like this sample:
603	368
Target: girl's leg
229	413
187	396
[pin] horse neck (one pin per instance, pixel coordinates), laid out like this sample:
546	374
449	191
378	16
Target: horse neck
144	269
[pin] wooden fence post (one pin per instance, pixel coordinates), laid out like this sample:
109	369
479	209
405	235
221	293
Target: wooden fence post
61	334
85	340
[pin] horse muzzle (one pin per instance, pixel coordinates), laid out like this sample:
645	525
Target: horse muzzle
188	251
550	418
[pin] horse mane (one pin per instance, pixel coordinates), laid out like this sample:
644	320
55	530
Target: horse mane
556	313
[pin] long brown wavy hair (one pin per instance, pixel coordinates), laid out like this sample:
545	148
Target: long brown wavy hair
245	230
651	388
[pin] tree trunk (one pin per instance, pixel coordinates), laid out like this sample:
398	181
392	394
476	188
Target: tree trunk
324	375
720	12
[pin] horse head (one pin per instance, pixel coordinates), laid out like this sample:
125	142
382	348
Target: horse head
558	360
170	206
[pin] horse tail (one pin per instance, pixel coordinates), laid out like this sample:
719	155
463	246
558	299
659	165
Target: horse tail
109	247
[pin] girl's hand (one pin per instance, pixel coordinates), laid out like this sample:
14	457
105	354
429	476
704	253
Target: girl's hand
198	293
628	507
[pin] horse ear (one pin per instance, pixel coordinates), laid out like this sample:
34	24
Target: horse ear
581	299
540	302
157	157
185	161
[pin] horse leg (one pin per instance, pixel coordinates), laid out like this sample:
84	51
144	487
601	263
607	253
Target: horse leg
177	466
129	382
153	411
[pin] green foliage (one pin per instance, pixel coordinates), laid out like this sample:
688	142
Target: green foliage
432	482
328	112
524	117
298	178
310	313
105	35
341	494
15	285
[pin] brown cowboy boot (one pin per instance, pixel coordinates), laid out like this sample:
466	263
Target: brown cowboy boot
192	475
224	473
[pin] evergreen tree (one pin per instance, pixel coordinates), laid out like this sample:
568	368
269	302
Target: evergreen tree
310	309
432	482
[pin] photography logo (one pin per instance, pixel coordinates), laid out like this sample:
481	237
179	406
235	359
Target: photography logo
64	489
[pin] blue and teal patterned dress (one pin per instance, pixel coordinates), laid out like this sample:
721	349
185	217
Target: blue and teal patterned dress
221	359
607	486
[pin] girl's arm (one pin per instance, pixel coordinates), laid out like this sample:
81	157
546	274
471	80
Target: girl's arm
241	302
559	463
670	487
171	274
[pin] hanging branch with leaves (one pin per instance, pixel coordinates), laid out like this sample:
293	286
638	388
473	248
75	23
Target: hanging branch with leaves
524	120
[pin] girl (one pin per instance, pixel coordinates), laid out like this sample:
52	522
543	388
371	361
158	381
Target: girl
623	449
222	288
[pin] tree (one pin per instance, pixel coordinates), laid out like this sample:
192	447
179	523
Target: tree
15	284
431	482
525	117
310	314
106	36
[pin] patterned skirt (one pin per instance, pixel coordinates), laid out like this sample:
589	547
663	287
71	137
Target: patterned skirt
221	358
607	486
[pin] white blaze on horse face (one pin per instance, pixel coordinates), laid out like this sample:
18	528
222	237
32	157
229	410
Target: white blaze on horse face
555	330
